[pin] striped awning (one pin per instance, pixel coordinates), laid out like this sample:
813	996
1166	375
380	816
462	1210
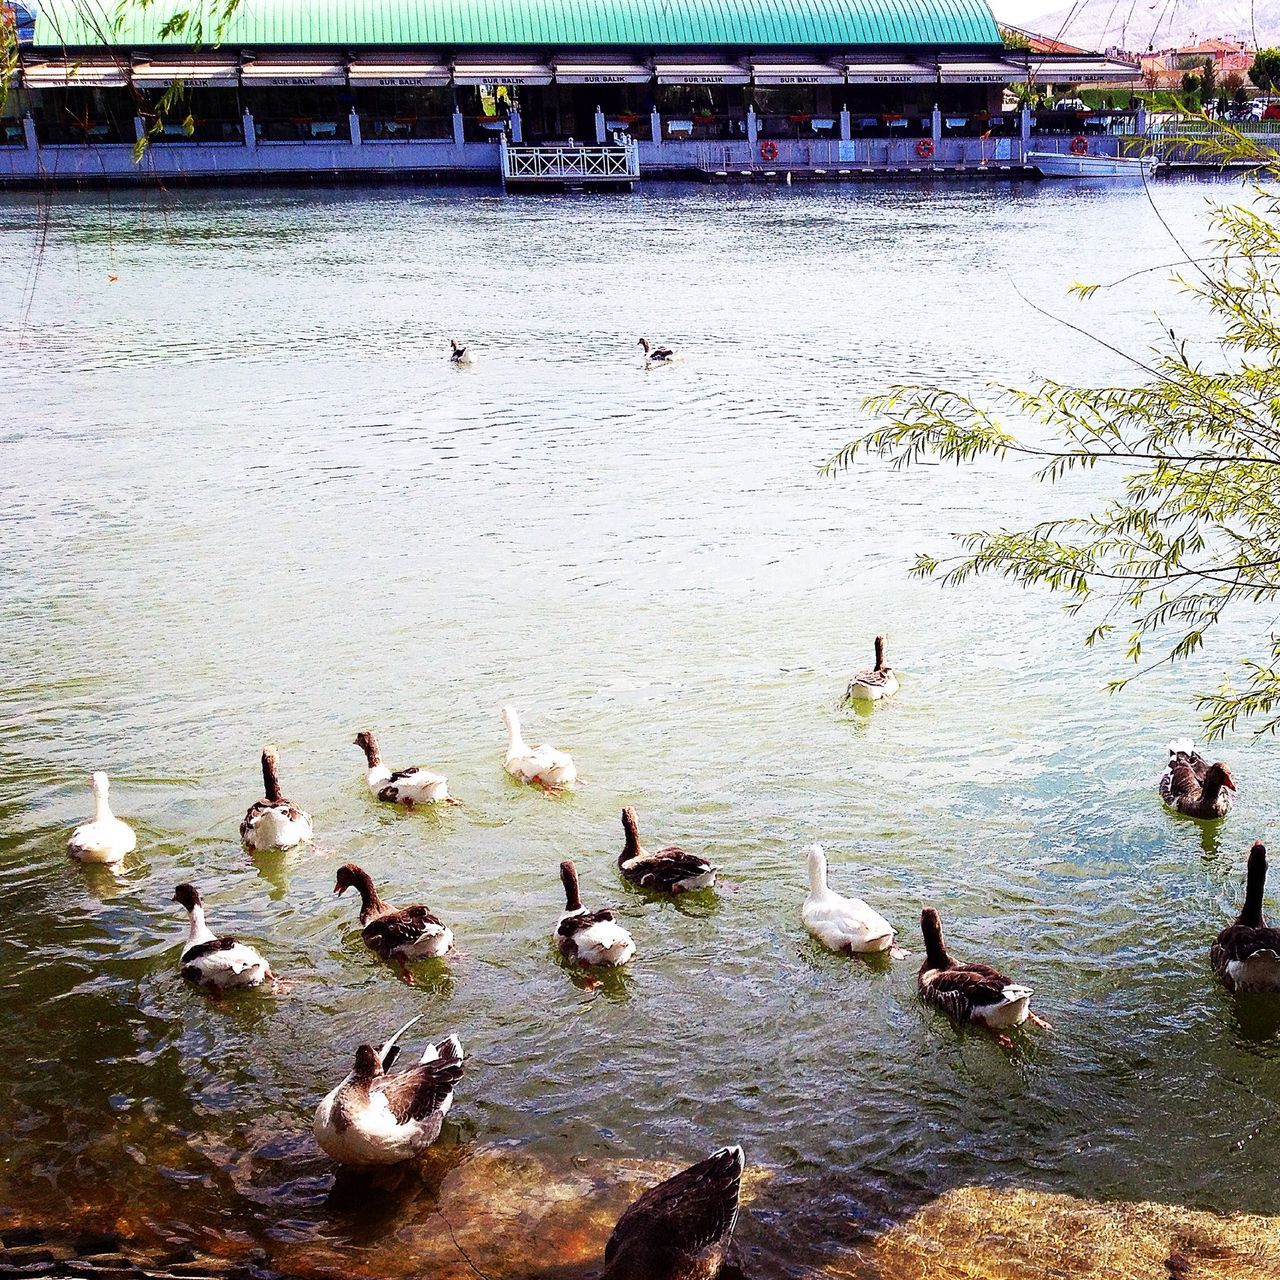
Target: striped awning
978	71
506	71
702	73
602	70
268	75
194	75
69	74
1060	70
382	72
889	73
798	71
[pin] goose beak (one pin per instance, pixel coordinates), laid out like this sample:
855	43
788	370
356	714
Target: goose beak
339	889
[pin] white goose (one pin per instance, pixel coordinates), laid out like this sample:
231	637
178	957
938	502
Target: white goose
216	964
655	355
105	839
372	1118
274	822
840	923
543	766
408	787
461	357
589	937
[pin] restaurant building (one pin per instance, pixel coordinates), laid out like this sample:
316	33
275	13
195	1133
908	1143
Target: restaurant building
449	87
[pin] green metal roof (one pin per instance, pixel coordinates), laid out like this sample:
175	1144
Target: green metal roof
750	24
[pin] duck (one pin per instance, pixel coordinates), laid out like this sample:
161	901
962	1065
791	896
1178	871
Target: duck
1193	786
971	993
840	923
105	839
656	355
1246	955
461	356
414	785
669	870
680	1229
876	682
543	766
411	933
589	937
373	1118
274	822
212	963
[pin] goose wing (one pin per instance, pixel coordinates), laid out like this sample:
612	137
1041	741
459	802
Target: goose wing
571	925
665	868
1239	942
422	1091
1183	779
961	989
688	1213
400	928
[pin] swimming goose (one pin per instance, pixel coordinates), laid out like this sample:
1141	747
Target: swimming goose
589	937
412	933
839	923
216	964
273	823
680	1229
460	355
669	870
1246	955
1191	785
408	787
105	839
656	355
974	993
876	682
372	1118
543	766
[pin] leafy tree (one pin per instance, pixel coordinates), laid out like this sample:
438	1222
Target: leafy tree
1191	529
1208	81
1265	72
1190	84
1233	83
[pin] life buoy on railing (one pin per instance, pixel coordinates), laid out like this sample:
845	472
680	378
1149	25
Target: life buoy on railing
768	151
1079	146
924	148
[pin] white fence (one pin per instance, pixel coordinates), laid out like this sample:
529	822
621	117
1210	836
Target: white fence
560	164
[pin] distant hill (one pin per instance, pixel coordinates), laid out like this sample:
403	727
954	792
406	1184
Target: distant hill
1139	24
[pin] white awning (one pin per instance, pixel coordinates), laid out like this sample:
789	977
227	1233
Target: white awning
985	71
85	75
889	73
508	71
268	75
603	71
1060	70
702	73
194	75
775	73
383	73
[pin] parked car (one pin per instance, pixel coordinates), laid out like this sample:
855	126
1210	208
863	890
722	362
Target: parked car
1069	104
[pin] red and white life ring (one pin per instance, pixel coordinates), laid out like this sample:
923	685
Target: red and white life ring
924	148
768	151
1079	146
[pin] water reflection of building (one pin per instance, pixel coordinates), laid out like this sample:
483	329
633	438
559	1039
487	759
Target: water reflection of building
288	86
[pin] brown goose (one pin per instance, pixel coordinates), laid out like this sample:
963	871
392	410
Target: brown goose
669	870
876	682
1246	955
408	787
411	933
589	937
1191	785
974	993
273	822
372	1118
680	1229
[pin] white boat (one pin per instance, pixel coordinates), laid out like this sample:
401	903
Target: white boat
1053	164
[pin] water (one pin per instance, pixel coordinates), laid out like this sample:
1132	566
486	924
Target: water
246	500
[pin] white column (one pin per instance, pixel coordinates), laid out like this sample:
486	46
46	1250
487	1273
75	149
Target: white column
29	131
517	126
357	138
458	136
1024	122
250	132
655	125
935	128
753	128
599	125
139	129
846	125
1140	124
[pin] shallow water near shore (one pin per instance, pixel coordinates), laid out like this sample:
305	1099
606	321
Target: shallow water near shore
246	499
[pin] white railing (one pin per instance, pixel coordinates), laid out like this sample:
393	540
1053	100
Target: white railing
570	163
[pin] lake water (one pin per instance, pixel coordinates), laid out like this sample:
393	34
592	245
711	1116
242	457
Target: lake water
246	499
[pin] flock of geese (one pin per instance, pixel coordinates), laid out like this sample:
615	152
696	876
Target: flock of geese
680	1229
463	357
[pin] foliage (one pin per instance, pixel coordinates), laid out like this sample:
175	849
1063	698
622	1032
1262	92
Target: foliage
1014	39
1190	84
1265	72
1208	81
1191	529
1233	85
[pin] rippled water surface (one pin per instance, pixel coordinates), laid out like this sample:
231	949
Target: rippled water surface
246	499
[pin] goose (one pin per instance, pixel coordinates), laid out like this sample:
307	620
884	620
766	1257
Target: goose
273	823
213	963
104	839
656	355
408	787
1191	785
876	682
589	937
974	993
669	870
461	356
372	1118
680	1229
840	923
543	766
1246	955
412	933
